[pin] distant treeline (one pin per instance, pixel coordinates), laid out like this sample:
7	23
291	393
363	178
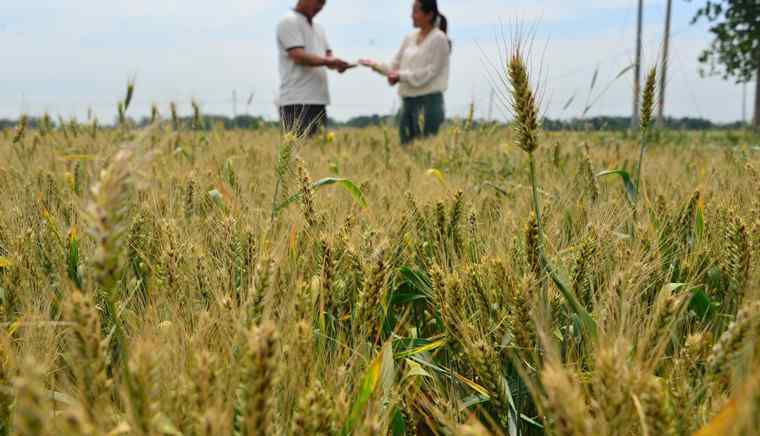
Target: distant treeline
600	123
208	122
624	123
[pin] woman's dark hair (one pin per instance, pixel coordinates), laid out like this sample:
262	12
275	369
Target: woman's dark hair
429	6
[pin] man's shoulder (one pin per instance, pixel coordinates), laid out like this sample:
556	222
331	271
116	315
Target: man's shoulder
290	18
318	27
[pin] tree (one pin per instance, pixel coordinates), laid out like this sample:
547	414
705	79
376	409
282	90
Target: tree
735	51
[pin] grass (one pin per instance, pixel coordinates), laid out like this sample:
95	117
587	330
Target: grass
486	281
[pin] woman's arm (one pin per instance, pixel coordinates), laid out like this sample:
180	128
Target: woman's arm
386	68
439	58
395	63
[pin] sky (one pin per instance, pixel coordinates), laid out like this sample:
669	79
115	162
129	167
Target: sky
70	57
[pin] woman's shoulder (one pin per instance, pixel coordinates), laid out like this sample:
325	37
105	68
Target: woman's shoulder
439	35
412	36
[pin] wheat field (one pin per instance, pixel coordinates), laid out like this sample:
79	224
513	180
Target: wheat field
491	280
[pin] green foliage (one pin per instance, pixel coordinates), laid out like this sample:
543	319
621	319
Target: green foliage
735	51
72	259
346	184
630	188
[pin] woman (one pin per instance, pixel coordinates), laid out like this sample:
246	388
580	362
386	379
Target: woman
421	70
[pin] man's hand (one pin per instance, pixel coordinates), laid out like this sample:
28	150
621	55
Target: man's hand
393	78
337	64
343	70
300	57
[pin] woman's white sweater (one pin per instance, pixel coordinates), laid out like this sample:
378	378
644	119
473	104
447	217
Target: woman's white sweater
424	67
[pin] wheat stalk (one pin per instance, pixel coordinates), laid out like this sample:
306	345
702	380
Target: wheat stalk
257	380
21	129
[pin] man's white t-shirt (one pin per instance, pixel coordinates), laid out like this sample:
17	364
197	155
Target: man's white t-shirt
301	85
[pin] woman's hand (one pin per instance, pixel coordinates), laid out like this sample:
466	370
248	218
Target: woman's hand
368	63
393	78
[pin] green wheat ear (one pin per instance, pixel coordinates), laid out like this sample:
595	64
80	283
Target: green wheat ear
21	129
525	108
122	113
736	254
589	176
175	117
154	114
648	100
130	94
470	117
523	102
46	125
94	128
197	122
647	109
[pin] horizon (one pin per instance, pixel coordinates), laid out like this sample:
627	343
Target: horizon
68	59
143	118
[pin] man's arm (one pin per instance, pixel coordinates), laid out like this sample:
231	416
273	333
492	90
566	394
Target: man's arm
301	57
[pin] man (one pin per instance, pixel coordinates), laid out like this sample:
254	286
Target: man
304	56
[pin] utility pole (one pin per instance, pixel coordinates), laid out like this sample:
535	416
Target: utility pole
665	60
744	104
637	69
756	121
234	103
490	104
